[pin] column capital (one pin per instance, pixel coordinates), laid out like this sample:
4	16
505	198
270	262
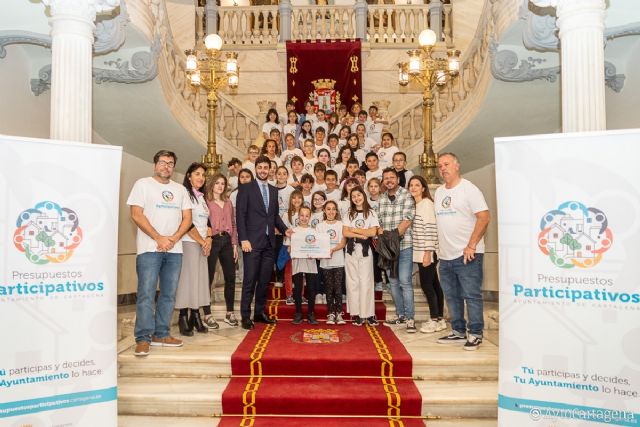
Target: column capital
87	9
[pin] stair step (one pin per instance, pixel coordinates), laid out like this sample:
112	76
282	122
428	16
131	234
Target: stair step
203	397
168	421
209	355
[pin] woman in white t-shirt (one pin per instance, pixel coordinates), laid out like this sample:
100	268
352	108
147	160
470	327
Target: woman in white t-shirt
193	286
360	225
332	269
272	122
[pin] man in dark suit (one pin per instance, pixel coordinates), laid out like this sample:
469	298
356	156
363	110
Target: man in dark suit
256	219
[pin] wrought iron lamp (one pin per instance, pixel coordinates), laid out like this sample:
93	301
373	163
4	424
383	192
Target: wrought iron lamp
209	71
430	73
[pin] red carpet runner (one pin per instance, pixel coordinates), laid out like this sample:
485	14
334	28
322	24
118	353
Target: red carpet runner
321	375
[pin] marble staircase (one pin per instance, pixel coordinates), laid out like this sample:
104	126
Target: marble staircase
183	386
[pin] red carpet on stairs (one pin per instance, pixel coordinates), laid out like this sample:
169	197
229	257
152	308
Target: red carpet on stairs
305	375
277	308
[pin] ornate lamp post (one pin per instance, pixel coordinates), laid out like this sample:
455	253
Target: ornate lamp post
207	70
430	72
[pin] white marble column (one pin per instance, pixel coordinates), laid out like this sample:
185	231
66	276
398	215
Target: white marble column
72	25
581	32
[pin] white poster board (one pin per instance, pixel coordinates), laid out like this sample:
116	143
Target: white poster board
569	247
58	282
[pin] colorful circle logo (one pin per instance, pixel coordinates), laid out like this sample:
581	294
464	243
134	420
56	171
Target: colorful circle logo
167	196
310	239
47	233
574	236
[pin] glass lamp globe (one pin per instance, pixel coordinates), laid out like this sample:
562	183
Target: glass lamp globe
213	42
427	38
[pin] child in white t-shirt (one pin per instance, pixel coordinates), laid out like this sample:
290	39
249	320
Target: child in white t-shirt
290	219
386	151
332	269
304	269
290	151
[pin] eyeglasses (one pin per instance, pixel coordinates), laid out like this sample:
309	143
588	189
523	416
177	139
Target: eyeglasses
163	163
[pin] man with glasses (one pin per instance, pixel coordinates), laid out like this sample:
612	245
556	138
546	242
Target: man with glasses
162	211
396	209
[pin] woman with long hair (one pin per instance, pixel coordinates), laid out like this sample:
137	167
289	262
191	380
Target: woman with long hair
224	247
425	245
193	286
359	227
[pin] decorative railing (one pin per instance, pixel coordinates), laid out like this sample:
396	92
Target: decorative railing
381	25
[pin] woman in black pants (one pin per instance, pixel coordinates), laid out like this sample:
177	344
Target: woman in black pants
425	245
224	246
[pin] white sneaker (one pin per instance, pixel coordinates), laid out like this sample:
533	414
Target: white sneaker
319	299
379	287
331	319
441	325
411	326
429	327
277	284
340	320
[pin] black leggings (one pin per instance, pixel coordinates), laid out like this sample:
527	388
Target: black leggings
222	249
333	280
430	285
311	290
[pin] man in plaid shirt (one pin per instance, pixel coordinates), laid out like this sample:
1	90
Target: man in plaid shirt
396	211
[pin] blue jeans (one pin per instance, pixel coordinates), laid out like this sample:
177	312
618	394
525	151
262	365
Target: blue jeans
401	286
155	318
462	282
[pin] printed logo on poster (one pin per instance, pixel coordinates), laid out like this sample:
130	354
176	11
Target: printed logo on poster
47	233
310	239
574	235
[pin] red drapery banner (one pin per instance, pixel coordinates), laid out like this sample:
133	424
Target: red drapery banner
327	73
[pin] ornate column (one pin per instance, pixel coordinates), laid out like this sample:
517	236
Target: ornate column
72	25
285	11
581	32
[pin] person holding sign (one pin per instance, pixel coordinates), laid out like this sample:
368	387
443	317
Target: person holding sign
360	225
303	268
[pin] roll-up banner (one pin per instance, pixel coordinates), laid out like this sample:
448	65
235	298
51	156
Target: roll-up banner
569	242
58	283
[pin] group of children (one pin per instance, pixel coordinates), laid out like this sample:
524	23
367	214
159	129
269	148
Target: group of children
328	173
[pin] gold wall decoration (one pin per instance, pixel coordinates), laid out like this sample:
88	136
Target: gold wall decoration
354	63
293	67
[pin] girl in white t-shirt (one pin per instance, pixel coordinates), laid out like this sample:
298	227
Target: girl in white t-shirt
344	155
318	199
323	156
344	204
284	193
290	219
358	152
359	227
304	269
292	126
344	133
305	132
373	188
271	149
386	152
332	269
309	159
272	122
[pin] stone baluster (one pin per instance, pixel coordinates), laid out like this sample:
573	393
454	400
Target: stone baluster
435	18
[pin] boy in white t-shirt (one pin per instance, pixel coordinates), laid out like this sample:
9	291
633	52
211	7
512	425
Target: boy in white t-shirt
252	154
290	152
161	209
374	170
331	181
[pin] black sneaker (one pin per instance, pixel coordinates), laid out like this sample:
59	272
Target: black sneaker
398	320
473	343
452	338
357	321
311	318
372	321
297	319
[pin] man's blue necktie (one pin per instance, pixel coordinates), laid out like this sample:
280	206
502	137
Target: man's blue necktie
265	196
